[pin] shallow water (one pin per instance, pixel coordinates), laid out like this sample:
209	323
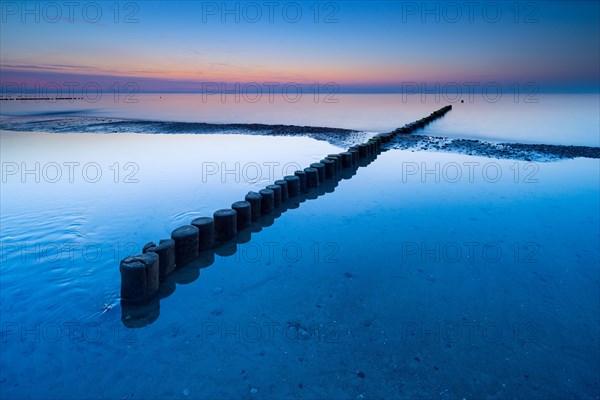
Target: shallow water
427	275
565	119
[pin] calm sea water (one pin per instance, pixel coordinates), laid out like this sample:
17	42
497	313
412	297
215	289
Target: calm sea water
540	118
425	275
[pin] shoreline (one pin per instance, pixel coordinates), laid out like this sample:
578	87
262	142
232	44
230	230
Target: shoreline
336	136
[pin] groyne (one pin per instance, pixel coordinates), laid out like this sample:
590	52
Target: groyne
146	277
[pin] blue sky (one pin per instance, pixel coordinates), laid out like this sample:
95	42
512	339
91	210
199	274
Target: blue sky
359	45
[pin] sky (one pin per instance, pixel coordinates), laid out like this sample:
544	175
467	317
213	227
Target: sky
360	46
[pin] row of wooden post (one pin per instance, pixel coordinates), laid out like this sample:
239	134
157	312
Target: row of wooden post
141	274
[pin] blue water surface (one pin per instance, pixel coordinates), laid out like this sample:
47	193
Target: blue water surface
423	275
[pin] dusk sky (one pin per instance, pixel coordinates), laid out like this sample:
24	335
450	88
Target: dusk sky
359	45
